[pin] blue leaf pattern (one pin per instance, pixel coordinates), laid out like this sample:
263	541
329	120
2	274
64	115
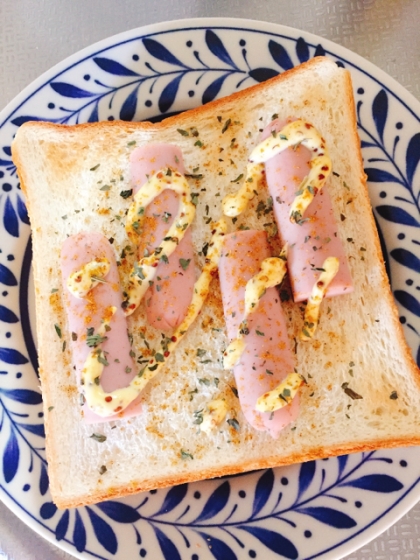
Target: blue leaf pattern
167	97
12	356
408	301
7	316
412	156
213	89
306	475
274	541
262	491
397	215
169	550
119	511
79	533
380	112
263	74
380	176
128	108
319	51
173	497
10	219
6	276
11	457
113	67
26	396
406	258
160	52
216	502
94	116
330	516
62	526
376	483
280	55
216	46
302	50
103	531
37	429
48	510
342	462
43	480
365	144
19	121
22	211
69	90
219	549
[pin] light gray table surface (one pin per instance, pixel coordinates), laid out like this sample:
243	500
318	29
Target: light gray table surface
35	35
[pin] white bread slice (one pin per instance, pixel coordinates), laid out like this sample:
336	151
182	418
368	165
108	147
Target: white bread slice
359	340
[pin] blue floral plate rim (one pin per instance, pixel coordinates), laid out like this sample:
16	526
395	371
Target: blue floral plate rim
240	24
410	495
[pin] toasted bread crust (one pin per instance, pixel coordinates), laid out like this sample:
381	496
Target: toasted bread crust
312	454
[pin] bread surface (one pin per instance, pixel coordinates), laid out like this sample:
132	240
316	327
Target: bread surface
359	340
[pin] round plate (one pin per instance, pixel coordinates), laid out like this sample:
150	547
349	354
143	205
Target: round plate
323	509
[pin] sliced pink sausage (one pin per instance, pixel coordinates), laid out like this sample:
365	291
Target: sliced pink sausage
267	358
312	242
82	314
169	297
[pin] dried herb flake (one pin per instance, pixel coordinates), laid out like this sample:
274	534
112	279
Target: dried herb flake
185	455
57	330
98	437
184	263
234	424
126	194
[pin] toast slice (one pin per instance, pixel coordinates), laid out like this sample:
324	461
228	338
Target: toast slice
359	341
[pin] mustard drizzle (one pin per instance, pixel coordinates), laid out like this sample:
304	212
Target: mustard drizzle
330	268
293	134
144	271
271	273
105	404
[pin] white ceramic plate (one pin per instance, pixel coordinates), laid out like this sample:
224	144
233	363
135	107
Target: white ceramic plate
323	509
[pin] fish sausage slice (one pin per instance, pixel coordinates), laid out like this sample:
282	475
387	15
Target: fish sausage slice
168	298
316	239
267	358
88	312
